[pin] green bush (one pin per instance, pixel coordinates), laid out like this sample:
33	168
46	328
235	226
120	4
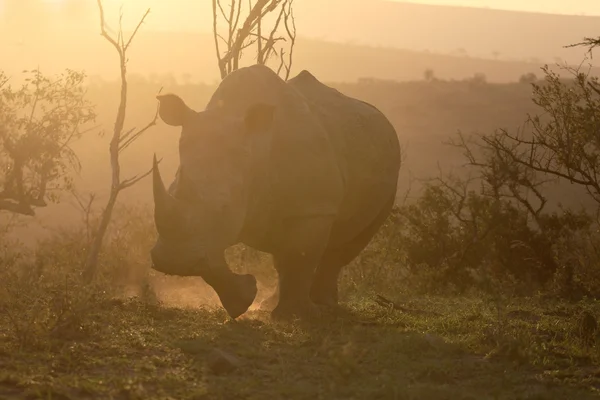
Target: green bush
447	244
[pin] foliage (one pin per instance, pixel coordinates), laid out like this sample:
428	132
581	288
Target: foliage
489	228
448	242
39	121
563	140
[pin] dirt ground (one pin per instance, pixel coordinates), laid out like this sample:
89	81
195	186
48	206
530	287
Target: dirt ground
431	349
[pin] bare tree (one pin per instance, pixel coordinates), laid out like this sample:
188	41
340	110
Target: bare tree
561	142
564	141
499	176
120	141
589	42
242	35
39	121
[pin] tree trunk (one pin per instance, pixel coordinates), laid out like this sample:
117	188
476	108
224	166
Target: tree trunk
91	264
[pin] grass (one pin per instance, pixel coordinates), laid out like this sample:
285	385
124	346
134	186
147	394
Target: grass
60	339
439	348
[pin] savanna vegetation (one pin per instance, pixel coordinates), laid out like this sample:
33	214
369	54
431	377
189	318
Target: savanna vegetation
482	283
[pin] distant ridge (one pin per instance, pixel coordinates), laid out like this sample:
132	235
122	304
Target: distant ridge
481	32
180	54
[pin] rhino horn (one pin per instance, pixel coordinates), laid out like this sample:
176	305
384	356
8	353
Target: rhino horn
165	205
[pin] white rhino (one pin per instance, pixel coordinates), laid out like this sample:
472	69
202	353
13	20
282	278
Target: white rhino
295	169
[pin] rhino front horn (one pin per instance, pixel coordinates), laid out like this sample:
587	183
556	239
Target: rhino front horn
165	205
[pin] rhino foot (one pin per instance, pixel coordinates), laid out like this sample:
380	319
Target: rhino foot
236	298
328	299
304	311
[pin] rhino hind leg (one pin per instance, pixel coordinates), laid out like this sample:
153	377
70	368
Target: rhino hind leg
296	262
295	278
324	290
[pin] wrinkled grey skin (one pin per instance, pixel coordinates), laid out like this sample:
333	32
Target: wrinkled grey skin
295	169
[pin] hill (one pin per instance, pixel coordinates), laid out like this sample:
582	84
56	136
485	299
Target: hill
478	32
191	56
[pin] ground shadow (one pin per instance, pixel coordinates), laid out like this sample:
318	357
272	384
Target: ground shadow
136	350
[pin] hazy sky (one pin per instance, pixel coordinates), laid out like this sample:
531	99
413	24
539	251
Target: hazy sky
588	7
197	13
578	7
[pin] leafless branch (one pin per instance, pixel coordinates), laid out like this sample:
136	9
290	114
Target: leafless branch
251	32
216	38
135	179
131	137
85	206
264	52
291	31
135	31
127	183
119	141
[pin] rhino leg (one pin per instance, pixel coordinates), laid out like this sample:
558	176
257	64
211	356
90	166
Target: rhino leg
324	290
296	262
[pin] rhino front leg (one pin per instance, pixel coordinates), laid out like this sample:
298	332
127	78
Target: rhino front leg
296	261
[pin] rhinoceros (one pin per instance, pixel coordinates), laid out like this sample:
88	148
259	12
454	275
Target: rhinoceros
292	168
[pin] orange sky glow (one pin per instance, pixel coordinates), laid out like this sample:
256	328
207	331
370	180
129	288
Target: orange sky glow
197	14
577	7
588	7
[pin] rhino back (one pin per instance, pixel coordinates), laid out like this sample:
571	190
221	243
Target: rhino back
365	145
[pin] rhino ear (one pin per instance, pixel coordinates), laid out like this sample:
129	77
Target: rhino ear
259	117
172	109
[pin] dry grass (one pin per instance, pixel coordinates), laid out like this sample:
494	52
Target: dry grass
59	339
131	349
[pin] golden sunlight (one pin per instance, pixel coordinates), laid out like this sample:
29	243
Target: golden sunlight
366	199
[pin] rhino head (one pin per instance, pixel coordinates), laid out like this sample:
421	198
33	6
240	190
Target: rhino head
205	208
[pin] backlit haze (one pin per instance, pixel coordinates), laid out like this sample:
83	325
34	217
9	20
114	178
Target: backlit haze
42	31
345	43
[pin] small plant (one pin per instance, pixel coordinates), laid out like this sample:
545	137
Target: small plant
39	304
